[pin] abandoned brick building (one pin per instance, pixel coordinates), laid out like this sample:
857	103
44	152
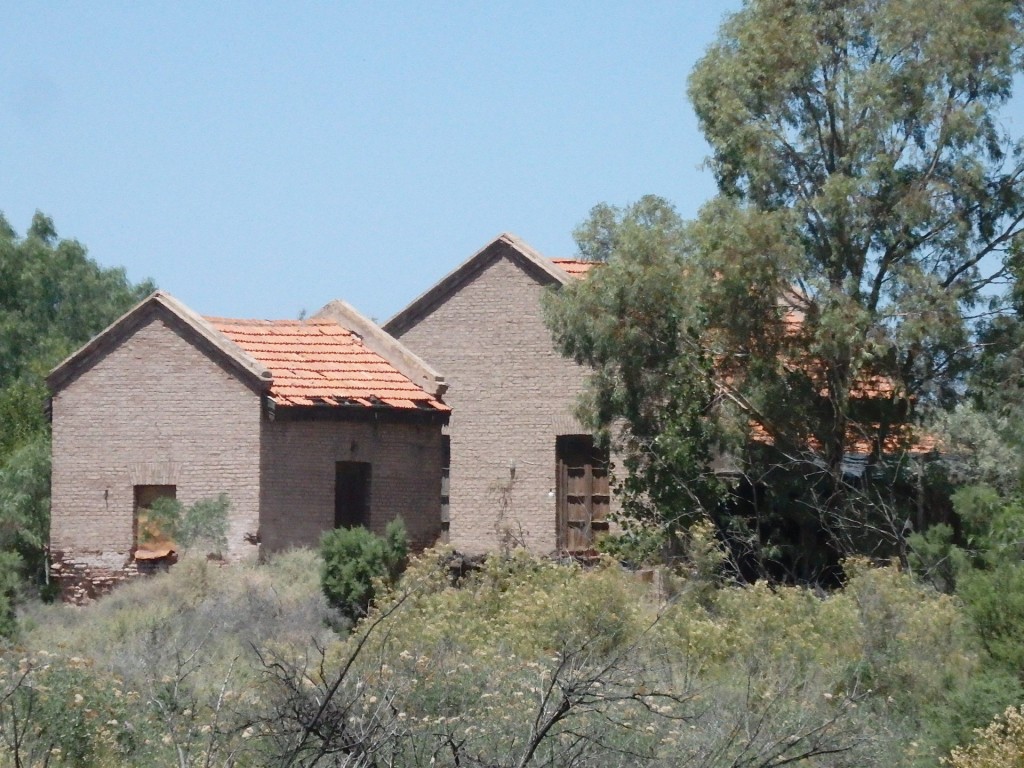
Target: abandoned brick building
304	425
523	470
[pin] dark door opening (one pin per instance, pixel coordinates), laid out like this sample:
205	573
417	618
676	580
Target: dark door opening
582	491
351	494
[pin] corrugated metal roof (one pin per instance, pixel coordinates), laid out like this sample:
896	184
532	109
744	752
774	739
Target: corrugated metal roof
318	363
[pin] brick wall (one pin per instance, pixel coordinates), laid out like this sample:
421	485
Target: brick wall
511	394
154	411
299	461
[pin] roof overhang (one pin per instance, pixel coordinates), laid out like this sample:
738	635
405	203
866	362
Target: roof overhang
362	413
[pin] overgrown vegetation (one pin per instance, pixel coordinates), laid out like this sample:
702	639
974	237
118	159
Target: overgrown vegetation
816	391
356	562
827	361
526	662
199	528
53	299
858	264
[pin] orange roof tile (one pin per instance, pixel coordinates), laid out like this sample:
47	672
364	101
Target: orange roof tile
317	362
157	552
904	437
574	267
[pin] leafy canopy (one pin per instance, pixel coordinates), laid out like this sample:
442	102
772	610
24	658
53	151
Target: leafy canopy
870	130
867	218
53	299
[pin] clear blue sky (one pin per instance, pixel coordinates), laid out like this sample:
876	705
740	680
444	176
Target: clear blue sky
260	159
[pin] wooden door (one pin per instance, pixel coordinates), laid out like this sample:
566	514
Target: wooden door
582	492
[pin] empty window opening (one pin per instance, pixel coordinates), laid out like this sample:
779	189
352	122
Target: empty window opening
152	523
582	490
446	462
351	494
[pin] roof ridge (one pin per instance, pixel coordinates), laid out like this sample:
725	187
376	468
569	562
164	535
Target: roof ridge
269	321
447	285
323	368
390	349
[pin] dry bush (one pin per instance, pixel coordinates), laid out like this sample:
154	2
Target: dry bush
1000	745
525	663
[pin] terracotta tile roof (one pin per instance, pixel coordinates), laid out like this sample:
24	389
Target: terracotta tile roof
903	438
574	267
317	362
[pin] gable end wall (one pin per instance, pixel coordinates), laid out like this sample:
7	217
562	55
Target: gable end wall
154	410
511	394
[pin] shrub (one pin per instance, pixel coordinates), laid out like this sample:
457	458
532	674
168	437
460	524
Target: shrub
1001	745
204	525
225	610
525	662
10	582
63	711
25	505
355	559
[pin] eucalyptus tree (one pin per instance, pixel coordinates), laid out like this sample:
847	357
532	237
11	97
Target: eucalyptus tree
53	298
867	223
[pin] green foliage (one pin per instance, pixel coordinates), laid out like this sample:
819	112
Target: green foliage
983	566
991	537
875	132
24	524
25	502
57	710
203	525
22	412
226	608
993	523
11	567
53	299
995	600
634	323
956	718
990	571
164	666
526	662
981	447
692	379
517	604
782	657
996	384
868	201
935	558
356	560
635	545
